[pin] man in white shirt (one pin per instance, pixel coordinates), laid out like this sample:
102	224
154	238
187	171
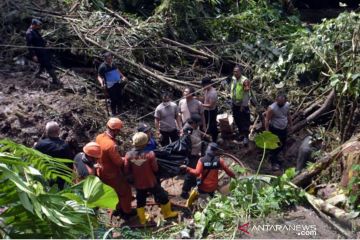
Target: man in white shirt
167	120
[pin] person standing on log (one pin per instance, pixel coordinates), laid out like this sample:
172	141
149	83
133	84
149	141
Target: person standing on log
141	166
111	171
189	106
167	120
38	51
210	107
113	81
277	121
55	147
240	97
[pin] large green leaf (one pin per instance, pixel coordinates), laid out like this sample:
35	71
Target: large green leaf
267	140
98	194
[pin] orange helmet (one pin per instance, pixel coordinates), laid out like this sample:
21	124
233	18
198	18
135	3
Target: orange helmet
114	124
92	149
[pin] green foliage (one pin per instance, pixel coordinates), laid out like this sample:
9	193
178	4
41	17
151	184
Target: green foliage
353	188
33	209
270	194
50	167
94	193
267	140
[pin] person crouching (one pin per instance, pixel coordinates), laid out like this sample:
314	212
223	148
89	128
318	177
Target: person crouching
142	166
85	162
207	170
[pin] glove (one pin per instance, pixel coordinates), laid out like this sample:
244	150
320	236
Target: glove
183	169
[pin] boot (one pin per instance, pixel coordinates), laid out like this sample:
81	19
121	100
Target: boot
166	211
55	80
193	196
143	217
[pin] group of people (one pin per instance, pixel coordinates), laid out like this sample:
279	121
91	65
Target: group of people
193	115
137	168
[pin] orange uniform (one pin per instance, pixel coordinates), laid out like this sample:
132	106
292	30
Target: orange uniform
111	172
142	165
210	183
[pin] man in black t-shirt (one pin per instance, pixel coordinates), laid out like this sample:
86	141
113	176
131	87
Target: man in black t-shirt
112	80
38	51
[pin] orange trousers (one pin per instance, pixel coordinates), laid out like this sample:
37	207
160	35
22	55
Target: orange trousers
123	191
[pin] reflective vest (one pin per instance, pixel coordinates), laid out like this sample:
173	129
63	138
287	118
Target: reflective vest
210	162
237	89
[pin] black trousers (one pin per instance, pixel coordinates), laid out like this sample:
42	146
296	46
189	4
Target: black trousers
166	136
242	119
210	119
159	193
115	95
190	180
282	134
45	64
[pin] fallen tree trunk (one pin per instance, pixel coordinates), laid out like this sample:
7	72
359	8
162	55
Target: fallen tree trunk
312	117
199	52
305	177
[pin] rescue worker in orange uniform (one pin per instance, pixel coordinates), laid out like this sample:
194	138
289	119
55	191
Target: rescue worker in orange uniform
85	162
111	171
142	165
207	170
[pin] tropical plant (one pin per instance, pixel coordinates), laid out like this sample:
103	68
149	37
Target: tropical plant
31	208
250	197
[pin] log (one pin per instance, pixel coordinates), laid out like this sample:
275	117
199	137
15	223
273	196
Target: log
199	52
306	176
312	117
126	22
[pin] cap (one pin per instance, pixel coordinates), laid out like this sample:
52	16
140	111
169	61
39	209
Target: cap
36	21
213	146
114	124
206	81
140	139
92	149
143	127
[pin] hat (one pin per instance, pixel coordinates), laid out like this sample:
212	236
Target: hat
213	147
143	127
36	21
92	149
140	139
206	81
114	124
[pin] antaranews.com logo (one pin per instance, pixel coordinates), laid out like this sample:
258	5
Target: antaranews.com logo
302	230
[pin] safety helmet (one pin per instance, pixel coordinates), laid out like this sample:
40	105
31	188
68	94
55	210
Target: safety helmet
114	124
92	149
140	139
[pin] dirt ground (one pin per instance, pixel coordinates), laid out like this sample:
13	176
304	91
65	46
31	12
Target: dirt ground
27	103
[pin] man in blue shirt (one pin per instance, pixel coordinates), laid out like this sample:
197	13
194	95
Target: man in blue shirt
110	78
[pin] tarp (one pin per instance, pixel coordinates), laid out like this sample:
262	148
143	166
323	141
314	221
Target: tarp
171	157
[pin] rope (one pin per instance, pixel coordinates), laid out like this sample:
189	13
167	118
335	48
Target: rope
177	100
121	48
